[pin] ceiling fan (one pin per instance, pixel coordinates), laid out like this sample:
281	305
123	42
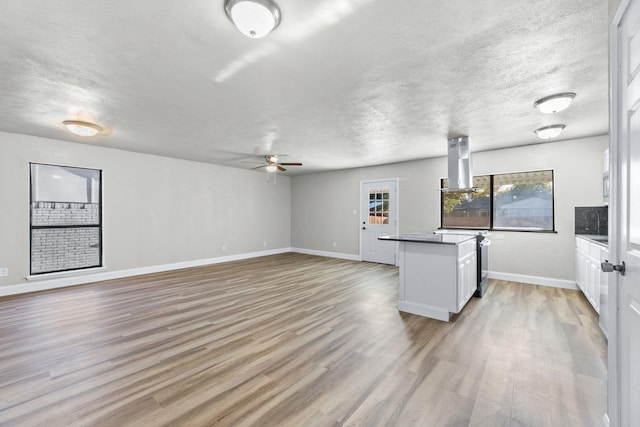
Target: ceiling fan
273	165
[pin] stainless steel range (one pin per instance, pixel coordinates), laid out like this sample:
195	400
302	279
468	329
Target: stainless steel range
482	246
483	243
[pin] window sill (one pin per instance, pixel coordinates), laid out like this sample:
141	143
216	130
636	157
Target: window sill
63	274
522	230
500	230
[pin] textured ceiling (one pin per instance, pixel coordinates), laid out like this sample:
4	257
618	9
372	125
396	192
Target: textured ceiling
339	84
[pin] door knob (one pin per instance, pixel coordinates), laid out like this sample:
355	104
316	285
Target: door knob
607	267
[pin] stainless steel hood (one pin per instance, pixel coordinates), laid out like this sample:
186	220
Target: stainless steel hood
460	172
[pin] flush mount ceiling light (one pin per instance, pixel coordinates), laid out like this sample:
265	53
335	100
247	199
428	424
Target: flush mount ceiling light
254	18
554	103
549	132
80	128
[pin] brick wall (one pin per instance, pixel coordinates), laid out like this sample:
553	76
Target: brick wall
56	249
56	213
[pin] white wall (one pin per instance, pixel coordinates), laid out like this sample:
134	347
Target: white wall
322	204
613	7
161	211
156	210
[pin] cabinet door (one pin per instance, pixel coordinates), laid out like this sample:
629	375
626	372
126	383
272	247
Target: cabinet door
578	268
462	284
467	279
582	270
596	287
591	286
603	304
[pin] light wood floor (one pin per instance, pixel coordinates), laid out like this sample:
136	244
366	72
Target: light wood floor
296	340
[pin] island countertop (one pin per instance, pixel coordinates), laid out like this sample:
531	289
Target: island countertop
429	237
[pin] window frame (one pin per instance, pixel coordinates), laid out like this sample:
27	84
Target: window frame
492	206
33	227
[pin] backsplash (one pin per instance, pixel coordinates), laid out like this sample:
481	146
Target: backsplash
592	220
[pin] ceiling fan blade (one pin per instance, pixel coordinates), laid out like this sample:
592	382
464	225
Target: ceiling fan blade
291	164
281	169
258	167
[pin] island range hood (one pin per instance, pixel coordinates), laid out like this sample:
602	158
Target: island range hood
459	164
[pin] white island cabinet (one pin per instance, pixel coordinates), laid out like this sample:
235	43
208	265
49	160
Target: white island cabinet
438	273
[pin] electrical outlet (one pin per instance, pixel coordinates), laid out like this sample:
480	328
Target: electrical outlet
224	247
264	243
4	272
354	212
334	244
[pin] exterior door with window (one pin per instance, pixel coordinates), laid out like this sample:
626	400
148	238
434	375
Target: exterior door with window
379	211
624	346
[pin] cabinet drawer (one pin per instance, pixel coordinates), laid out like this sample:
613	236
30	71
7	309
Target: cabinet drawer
595	251
466	248
582	244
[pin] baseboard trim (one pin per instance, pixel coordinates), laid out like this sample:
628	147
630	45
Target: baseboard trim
35	285
349	257
424	310
534	280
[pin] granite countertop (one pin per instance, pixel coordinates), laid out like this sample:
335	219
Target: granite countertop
429	237
600	239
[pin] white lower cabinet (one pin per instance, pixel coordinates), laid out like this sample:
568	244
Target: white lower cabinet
589	276
437	280
467	272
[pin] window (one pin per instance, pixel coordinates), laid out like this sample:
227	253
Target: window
466	209
523	200
514	201
66	218
379	206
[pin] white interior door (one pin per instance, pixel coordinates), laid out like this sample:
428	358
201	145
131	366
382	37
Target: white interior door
378	217
624	372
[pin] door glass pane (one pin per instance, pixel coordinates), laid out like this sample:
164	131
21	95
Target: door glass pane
378	206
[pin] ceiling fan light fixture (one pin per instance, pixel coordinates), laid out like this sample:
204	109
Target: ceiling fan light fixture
554	103
549	132
271	168
83	129
254	18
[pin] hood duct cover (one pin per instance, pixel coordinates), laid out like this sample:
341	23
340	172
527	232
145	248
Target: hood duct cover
459	158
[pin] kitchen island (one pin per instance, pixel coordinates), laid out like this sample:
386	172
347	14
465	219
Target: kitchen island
438	273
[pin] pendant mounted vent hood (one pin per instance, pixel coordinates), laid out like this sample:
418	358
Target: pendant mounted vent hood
459	159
